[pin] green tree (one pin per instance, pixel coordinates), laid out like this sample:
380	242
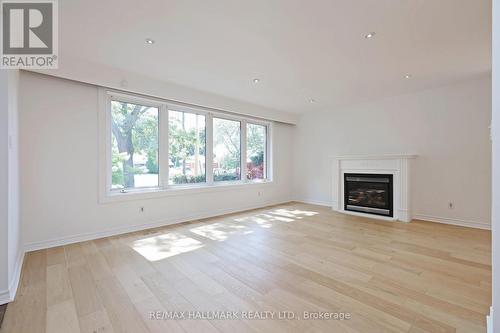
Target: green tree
133	132
184	143
256	139
227	133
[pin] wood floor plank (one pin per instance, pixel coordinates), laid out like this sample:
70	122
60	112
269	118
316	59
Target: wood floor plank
58	285
84	290
96	322
62	318
122	313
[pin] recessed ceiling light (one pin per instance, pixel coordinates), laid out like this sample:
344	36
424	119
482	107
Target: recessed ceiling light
370	35
407	76
256	80
149	41
312	100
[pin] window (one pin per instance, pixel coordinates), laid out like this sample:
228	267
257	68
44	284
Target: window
256	151
227	150
187	148
153	145
134	146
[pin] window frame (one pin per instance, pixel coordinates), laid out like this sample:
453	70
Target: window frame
107	194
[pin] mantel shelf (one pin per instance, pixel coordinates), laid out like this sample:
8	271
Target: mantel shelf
376	157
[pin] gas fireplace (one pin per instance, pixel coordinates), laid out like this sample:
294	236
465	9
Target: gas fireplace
368	193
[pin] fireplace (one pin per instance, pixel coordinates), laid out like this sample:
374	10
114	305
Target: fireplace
368	193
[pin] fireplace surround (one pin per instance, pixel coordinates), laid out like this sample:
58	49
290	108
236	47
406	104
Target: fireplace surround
396	169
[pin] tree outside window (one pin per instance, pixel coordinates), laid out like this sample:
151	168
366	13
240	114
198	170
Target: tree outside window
187	148
227	149
134	145
256	151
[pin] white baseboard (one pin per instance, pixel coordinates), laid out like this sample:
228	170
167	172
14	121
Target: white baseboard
14	284
489	321
447	220
9	295
425	217
315	202
126	229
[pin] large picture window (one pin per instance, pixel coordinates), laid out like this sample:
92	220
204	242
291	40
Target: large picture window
187	147
134	146
256	151
158	145
227	150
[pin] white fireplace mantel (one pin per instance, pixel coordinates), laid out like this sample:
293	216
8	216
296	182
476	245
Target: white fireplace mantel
397	165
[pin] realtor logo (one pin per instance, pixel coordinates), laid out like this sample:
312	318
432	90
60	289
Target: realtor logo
29	34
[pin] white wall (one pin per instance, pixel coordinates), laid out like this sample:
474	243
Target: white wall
59	171
10	249
447	127
14	243
494	324
4	173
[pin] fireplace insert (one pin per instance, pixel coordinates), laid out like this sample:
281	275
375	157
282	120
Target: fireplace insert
368	193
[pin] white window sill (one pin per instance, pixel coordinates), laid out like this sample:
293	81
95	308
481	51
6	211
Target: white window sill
177	190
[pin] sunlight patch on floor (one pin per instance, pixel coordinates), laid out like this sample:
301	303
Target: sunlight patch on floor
260	221
271	217
294	213
165	245
219	231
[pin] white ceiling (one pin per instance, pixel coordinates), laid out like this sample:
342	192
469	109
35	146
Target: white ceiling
299	49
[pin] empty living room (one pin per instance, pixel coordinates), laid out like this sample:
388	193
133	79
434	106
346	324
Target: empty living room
250	166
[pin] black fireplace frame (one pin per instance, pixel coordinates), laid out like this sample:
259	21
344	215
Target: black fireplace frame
371	175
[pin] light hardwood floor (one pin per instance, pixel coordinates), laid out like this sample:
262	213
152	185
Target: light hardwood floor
392	277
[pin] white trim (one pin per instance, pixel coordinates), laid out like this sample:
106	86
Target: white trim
14	284
376	157
147	100
270	152
314	202
123	230
103	144
421	217
489	321
9	295
179	190
209	150
243	151
163	153
453	221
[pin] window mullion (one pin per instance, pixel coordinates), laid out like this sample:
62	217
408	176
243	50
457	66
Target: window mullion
269	152
209	149
108	136
163	147
243	151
